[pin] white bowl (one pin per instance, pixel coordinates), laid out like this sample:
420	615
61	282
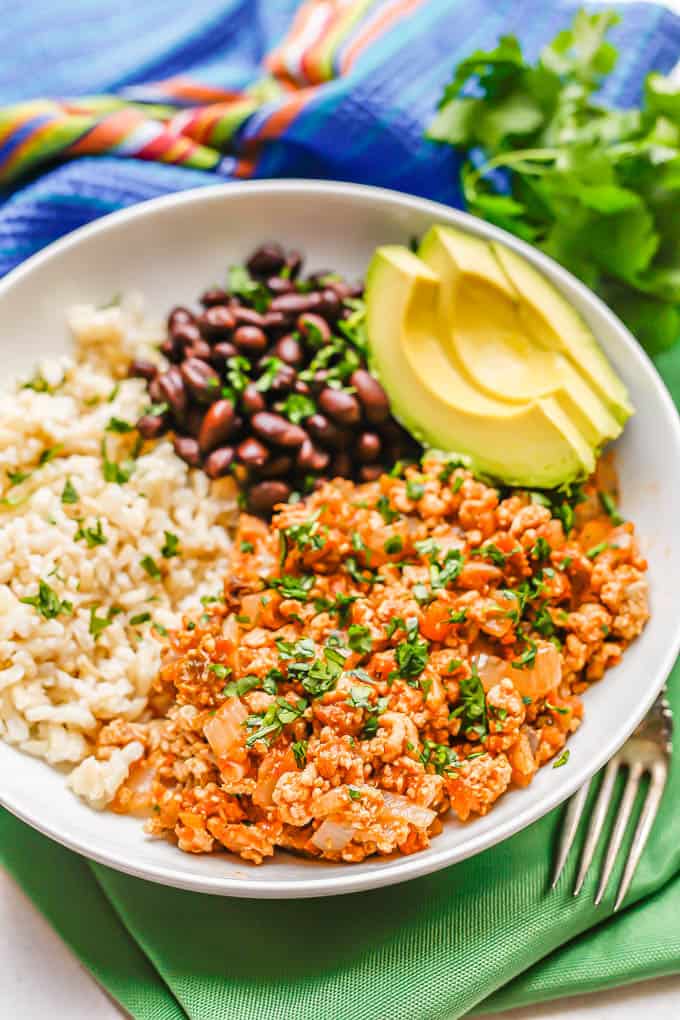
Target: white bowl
171	248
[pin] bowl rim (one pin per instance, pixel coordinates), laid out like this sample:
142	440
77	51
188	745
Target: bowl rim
393	870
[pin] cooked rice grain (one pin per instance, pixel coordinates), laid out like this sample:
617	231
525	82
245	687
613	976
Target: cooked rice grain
59	681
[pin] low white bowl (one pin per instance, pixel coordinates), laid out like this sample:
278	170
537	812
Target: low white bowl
171	248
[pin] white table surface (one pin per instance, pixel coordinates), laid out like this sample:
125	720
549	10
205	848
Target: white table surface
41	978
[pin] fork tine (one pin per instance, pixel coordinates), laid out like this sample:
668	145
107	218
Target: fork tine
657	783
629	793
569	827
596	822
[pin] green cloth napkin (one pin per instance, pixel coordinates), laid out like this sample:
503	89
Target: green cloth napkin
485	934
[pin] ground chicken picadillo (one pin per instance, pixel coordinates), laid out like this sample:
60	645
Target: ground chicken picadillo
382	655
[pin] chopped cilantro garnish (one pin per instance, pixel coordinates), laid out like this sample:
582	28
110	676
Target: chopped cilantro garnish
299	749
541	549
151	567
411	654
415	490
393	545
528	656
237	688
93	536
385	510
354	794
69	493
563	759
371	721
360	697
292	587
116	473
119	425
359	639
17	477
270	725
340	605
240	282
47	602
610	508
170	546
47	455
98	624
457	616
247	547
491	550
472	707
135	621
441	757
597	549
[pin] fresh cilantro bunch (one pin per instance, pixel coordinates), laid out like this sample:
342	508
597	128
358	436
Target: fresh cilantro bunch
597	189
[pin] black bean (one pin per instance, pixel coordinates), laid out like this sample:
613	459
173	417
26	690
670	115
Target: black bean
178	315
302	388
186	333
173	391
284	380
140	368
276	322
187	449
311	457
263	497
274	428
339	287
341	407
326	432
172	350
221	353
267	259
341	465
370	472
219	462
155	392
368	447
320	482
214	296
319	381
276	467
250	339
295	304
289	349
279	285
217	425
252	452
294	262
200	349
314	328
248	316
372	396
193	420
150	426
201	379
391	431
252	400
217	323
330	304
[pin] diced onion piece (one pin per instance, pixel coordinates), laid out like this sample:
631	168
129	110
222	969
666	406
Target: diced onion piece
534	682
408	811
230	629
491	669
542	677
224	731
332	836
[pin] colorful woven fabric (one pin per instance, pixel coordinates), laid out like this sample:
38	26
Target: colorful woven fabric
167	95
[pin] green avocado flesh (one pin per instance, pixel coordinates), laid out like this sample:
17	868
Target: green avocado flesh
470	366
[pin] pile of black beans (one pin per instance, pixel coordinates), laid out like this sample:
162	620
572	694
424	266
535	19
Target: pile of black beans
269	382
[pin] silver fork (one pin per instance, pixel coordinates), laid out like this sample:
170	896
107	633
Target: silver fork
648	750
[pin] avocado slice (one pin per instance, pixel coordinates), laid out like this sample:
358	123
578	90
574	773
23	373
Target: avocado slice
531	444
550	317
482	320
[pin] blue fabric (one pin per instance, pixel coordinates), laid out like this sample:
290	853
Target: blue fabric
366	127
